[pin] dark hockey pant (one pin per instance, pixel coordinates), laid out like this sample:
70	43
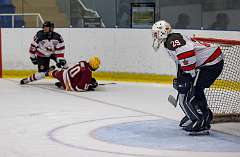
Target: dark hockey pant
194	103
43	63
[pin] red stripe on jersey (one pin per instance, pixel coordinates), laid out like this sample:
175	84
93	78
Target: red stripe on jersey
38	53
60	48
32	50
215	55
188	67
59	55
185	55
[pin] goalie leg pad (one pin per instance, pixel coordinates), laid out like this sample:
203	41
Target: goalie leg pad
190	108
185	121
201	101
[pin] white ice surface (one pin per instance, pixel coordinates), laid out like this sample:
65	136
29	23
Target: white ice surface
32	118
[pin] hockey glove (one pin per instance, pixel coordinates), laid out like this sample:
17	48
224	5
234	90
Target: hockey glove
93	84
61	63
183	83
59	84
34	60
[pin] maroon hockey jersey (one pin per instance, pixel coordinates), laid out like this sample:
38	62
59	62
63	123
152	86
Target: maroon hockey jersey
77	77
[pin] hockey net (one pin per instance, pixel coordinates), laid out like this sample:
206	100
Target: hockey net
224	95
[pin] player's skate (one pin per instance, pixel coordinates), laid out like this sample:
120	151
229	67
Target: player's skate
184	121
24	81
197	128
199	133
51	68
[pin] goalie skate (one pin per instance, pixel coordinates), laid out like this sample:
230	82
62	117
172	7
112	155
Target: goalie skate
199	133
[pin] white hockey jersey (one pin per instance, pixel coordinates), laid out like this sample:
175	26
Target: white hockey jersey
43	46
190	54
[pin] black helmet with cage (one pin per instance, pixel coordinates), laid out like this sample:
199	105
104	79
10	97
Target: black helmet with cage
48	28
48	24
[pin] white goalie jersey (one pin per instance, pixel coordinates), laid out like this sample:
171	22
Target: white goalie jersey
190	54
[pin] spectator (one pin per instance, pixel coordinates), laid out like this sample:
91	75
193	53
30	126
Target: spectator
183	21
124	15
221	23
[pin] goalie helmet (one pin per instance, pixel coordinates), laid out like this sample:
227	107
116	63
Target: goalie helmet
160	31
94	62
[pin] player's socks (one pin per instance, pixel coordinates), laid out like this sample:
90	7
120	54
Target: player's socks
33	77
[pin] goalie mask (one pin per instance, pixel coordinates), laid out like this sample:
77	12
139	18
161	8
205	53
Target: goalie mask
160	31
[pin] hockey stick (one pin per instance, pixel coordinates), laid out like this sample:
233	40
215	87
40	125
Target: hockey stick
103	84
173	100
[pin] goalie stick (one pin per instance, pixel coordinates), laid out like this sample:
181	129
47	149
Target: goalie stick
173	100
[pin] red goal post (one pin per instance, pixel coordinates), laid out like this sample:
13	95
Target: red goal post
224	95
218	41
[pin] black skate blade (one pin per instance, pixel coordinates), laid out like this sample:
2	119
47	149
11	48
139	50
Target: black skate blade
199	133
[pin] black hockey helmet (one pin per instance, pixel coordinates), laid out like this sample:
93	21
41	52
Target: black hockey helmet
48	24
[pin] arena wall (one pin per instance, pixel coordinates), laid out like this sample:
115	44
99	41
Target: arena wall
120	50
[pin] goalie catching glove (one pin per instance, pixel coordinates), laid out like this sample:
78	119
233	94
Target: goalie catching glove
93	84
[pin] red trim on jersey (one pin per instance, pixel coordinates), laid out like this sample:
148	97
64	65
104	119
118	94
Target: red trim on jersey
60	48
32	52
59	55
0	53
38	53
215	55
185	55
188	67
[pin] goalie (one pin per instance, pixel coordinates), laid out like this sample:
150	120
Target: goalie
78	77
198	67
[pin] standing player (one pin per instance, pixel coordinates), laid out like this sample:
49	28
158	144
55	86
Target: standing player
77	77
46	45
199	65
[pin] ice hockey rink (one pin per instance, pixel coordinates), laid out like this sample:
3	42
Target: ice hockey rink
116	120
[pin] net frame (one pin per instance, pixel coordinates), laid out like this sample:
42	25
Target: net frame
224	95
